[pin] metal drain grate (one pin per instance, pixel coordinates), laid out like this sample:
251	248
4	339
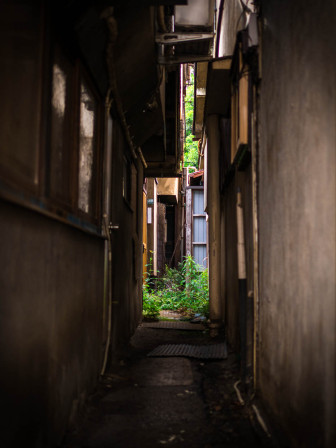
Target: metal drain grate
166	324
215	351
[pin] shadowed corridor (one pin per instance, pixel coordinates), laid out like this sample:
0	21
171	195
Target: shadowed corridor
167	401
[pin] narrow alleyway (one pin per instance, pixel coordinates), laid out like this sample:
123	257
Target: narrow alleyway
167	401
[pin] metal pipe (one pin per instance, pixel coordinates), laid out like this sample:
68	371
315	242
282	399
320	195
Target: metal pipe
161	19
108	245
241	401
142	158
218	30
109	311
255	237
261	420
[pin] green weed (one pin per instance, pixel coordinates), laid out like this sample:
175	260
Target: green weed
183	289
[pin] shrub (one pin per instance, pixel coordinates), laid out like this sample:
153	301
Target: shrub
184	289
150	307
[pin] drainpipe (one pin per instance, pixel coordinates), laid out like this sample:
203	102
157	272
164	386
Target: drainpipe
242	283
255	236
214	229
219	27
106	217
108	287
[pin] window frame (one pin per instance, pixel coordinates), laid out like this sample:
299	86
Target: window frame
197	215
39	197
97	177
239	105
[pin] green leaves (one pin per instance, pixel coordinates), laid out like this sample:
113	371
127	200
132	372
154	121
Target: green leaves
190	146
185	289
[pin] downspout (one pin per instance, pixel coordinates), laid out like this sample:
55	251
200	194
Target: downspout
109	288
142	158
161	19
242	283
220	15
108	245
255	238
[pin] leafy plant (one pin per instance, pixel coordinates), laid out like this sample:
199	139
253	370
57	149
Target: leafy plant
184	289
151	308
150	305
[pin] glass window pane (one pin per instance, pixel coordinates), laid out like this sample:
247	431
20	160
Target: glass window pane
60	142
198	202
20	81
199	229
87	143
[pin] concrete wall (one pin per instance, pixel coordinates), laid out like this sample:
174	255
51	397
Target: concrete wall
297	219
51	282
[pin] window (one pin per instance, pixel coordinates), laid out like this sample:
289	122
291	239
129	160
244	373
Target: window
199	237
74	139
61	128
67	118
87	146
239	106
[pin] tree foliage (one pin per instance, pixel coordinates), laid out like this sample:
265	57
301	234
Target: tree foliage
190	146
184	289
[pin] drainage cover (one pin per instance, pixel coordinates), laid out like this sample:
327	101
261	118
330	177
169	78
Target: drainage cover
214	351
166	324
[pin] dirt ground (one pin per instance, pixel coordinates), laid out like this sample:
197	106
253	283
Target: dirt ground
147	402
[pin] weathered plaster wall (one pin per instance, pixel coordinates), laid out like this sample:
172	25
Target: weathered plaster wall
297	219
51	283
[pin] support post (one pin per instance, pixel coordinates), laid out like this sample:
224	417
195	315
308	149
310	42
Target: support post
214	228
242	283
